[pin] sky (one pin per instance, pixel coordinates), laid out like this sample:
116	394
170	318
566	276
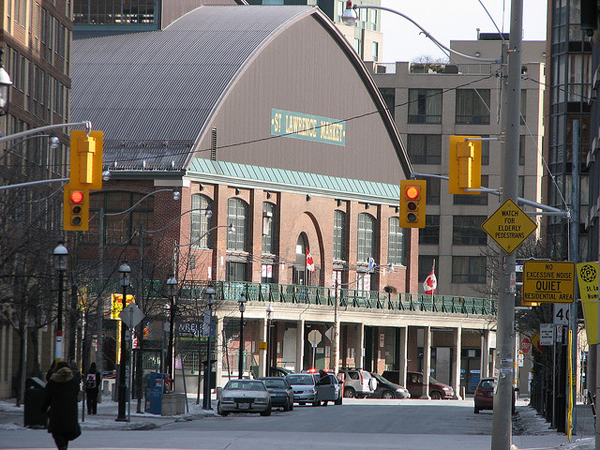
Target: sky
449	20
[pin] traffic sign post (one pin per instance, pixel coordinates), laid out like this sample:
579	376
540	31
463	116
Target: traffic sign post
548	281
509	226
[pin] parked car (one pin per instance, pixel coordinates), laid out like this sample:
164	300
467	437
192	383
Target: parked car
305	388
330	389
437	389
484	394
244	396
282	393
357	383
414	384
279	372
387	389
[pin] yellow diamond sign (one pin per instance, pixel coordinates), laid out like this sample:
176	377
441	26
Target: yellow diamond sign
509	226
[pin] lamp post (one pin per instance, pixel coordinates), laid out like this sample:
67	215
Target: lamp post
124	270
270	310
206	403
60	254
171	292
5	84
242	303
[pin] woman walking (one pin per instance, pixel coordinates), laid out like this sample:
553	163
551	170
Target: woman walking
92	387
61	401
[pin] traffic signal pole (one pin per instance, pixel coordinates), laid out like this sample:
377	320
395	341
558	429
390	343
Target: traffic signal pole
511	119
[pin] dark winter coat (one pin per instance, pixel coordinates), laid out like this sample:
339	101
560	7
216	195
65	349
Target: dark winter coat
61	398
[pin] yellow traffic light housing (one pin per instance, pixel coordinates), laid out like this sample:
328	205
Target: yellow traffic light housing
413	196
76	208
86	159
465	165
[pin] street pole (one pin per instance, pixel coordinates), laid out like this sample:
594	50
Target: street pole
122	391
242	302
206	399
511	109
336	332
574	257
60	254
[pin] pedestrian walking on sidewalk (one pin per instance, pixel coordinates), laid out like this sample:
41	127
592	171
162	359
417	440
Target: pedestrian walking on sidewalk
92	388
61	405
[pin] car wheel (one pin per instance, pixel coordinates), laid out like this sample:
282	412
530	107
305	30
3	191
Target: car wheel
267	412
291	406
338	401
349	393
476	411
316	404
435	395
220	411
388	395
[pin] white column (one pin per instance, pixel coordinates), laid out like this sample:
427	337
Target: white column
485	353
426	361
456	362
262	354
299	347
403	359
218	346
360	345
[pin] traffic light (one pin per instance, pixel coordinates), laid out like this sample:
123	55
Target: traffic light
86	159
465	165
413	195
76	208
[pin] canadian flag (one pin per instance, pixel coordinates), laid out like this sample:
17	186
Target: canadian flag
310	264
430	283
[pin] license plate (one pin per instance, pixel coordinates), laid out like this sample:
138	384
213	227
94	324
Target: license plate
244	405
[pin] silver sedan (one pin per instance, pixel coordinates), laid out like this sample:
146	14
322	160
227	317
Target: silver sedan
248	396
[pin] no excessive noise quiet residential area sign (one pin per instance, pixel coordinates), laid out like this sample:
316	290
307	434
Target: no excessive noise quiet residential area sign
548	281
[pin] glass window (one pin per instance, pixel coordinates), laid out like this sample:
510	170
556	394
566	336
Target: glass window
424	106
433	191
395	241
366	237
485	151
431	233
473	199
339	235
467	230
389	97
200	236
237	213
426	262
522	143
472	106
468	269
236	271
425	148
268	234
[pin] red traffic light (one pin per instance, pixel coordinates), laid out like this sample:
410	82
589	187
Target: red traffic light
412	192
76	196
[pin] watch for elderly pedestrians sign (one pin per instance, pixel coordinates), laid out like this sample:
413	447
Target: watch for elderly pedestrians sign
509	226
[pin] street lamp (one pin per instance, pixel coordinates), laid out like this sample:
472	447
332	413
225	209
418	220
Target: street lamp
270	310
124	270
171	292
242	303
5	84
60	254
206	403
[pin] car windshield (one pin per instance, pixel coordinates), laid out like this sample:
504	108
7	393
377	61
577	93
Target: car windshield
301	379
239	385
487	384
275	383
433	380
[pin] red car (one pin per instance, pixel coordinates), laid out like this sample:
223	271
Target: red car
484	394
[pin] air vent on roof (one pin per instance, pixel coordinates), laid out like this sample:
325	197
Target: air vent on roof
213	144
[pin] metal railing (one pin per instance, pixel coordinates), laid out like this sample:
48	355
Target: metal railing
348	298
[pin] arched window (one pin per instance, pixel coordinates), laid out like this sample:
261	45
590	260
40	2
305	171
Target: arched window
339	235
366	237
395	242
268	231
237	215
200	237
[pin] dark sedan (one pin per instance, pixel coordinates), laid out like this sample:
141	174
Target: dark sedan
387	389
282	393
